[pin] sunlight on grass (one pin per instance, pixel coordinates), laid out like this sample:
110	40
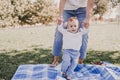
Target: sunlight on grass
115	56
31	61
43	56
43	36
23	38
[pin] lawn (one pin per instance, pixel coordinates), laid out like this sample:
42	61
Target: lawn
34	46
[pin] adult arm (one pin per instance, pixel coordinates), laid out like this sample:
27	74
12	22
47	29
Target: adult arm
89	9
61	9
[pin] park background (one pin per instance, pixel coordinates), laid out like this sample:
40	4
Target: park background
27	30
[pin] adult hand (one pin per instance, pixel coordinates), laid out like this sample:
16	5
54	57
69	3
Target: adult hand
60	20
86	23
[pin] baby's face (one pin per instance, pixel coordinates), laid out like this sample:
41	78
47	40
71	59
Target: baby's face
73	26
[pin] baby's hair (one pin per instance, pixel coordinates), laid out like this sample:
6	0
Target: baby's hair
72	19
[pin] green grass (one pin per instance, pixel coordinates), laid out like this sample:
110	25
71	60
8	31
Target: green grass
110	56
9	61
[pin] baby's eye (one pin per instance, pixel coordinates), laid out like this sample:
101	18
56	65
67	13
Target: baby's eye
74	25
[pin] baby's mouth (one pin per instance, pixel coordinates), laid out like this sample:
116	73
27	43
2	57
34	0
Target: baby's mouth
73	30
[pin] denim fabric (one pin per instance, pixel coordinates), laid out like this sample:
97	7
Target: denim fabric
80	13
69	61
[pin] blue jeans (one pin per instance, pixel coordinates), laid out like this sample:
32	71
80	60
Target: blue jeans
69	61
80	13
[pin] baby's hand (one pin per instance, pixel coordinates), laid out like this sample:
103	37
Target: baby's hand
86	23
60	20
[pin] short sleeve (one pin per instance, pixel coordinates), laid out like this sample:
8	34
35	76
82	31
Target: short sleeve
84	30
61	29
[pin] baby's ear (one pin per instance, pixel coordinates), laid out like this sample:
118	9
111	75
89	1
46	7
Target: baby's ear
65	24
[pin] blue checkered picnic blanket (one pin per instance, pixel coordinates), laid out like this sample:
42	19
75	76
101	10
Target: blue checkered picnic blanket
82	72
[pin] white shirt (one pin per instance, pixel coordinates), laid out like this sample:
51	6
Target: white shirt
72	40
75	4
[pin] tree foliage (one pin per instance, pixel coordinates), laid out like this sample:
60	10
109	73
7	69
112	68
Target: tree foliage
114	2
20	12
15	12
101	6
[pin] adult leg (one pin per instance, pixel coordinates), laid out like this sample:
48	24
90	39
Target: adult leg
83	49
57	46
81	15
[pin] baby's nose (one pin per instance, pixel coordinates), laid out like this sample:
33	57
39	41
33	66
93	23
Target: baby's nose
74	27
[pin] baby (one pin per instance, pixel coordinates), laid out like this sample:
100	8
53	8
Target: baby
72	41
